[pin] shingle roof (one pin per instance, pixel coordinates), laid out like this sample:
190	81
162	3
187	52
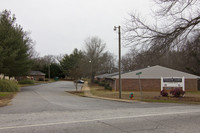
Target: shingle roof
156	72
34	73
107	75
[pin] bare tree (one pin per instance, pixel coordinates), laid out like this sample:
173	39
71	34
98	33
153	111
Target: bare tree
175	22
129	60
40	63
94	51
108	63
191	52
48	59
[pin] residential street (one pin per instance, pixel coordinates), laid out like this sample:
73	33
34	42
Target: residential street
48	108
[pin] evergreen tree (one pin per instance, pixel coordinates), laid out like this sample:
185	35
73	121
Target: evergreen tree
71	64
14	46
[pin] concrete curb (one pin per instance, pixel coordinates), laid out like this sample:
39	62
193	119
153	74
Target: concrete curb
117	100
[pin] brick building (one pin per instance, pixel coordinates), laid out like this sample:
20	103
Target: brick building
37	75
151	79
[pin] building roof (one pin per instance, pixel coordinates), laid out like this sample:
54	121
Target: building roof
156	72
107	75
36	73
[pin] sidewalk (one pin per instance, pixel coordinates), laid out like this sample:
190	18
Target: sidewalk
87	93
86	90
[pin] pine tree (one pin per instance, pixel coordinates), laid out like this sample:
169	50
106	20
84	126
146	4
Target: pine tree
14	46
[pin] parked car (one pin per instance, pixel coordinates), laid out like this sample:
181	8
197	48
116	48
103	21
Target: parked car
79	81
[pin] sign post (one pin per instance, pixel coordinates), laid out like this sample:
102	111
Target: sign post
139	73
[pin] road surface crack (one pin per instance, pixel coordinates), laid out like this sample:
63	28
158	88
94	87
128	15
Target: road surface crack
113	126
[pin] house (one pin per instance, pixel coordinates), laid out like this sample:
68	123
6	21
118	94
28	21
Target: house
151	79
106	76
37	75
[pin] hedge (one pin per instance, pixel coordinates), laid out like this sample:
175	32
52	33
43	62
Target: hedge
26	81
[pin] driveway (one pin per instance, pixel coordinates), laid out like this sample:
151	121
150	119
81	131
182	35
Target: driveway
49	108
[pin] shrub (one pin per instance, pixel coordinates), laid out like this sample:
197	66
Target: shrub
177	92
41	79
164	93
107	87
8	86
96	81
26	81
101	83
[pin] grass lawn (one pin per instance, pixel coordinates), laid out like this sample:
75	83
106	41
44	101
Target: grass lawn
5	98
153	96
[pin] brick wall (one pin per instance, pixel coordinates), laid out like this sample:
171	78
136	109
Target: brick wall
191	84
38	77
151	84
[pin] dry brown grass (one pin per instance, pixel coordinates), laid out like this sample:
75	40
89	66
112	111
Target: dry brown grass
153	96
5	98
79	93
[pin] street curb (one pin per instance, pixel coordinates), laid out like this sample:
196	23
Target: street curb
113	99
104	98
110	99
90	95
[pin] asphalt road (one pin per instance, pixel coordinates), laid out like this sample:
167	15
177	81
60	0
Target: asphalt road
48	108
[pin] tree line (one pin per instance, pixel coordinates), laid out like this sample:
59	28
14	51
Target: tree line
91	61
174	43
18	57
186	58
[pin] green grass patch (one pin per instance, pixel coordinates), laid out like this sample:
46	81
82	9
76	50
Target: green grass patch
6	94
2	94
26	82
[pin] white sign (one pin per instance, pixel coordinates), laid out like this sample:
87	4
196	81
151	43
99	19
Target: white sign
173	82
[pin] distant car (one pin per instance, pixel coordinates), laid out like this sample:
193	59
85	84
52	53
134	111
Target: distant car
80	81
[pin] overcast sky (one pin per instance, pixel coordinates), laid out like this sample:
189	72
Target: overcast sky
59	26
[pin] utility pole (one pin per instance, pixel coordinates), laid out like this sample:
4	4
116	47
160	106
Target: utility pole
120	85
49	71
91	70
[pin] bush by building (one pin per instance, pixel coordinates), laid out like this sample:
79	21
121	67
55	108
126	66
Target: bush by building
164	93
103	83
107	87
96	81
177	92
